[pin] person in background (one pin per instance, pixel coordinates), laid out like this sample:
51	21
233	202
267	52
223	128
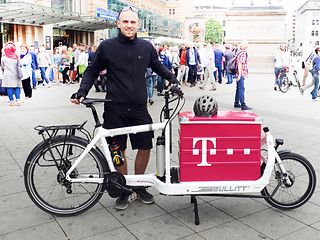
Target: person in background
192	60
44	62
11	73
281	63
65	65
166	62
228	55
26	69
34	66
242	73
183	68
83	61
218	56
208	62
56	62
315	75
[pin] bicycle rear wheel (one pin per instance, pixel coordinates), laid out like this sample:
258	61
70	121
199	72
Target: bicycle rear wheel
301	175
284	84
44	174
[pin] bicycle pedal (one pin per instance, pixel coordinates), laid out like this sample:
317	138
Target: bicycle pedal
132	197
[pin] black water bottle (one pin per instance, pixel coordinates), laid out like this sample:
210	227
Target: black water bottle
116	154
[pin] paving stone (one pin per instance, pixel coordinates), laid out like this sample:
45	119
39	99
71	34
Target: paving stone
209	217
272	223
88	223
136	212
20	219
232	230
47	231
238	207
116	234
159	228
306	233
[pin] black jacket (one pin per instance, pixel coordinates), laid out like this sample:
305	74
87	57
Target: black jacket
126	62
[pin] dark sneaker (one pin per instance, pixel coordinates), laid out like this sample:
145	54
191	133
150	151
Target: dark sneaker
236	106
123	200
144	196
246	108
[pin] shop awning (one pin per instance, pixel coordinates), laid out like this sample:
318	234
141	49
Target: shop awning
30	14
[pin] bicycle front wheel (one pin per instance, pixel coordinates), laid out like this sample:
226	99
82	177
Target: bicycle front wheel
298	190
284	84
44	176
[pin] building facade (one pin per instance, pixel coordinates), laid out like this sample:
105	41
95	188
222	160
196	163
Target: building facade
307	25
52	22
155	19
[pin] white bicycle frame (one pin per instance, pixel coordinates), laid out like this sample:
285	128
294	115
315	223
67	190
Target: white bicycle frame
166	187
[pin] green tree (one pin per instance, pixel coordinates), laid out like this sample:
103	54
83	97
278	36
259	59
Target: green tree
214	31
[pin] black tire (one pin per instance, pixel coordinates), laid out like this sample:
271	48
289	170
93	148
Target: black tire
303	176
284	84
45	184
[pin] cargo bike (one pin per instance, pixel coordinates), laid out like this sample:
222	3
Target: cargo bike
224	155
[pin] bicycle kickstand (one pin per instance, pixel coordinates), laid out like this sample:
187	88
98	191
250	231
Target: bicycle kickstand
195	209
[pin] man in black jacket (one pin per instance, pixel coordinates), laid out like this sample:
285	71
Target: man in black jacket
126	59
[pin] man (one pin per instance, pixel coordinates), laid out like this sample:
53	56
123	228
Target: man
218	55
192	60
242	73
34	66
126	59
208	63
228	55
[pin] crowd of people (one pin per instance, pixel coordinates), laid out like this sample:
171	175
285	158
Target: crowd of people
26	67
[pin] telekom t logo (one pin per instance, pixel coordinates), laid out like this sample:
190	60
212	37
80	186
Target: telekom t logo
212	151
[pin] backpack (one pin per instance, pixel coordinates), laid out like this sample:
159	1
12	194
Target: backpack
232	67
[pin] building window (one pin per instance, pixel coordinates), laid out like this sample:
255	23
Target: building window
317	33
170	11
317	22
224	23
312	33
313	22
173	11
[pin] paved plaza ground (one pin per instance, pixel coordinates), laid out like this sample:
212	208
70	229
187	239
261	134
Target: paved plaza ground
290	116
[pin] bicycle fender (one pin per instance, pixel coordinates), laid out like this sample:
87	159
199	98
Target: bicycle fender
284	151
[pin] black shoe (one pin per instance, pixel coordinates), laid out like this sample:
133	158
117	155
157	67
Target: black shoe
144	196
246	108
275	88
122	201
236	106
160	94
150	101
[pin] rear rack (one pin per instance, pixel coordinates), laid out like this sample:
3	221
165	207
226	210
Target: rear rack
49	132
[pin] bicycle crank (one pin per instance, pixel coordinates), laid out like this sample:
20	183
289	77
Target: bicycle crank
115	184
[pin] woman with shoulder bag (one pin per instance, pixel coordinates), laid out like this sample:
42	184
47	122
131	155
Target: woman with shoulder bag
11	73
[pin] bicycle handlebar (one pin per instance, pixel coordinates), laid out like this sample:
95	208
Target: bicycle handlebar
91	101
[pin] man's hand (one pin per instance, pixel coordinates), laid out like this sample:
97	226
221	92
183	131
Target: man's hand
76	99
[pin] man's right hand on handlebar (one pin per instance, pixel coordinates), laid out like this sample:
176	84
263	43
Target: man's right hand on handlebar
76	98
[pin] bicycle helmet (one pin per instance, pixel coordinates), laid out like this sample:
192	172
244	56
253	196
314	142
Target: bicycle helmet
205	106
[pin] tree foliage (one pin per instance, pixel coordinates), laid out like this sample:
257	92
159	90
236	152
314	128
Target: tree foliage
214	31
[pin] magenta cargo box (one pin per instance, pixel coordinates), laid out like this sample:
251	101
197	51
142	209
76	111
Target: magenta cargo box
225	147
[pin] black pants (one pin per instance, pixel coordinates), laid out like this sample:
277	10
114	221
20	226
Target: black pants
192	74
65	76
26	85
100	81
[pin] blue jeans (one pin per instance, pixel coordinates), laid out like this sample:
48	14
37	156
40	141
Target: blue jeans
13	91
219	70
276	74
229	77
150	85
160	84
34	80
239	98
314	92
43	74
